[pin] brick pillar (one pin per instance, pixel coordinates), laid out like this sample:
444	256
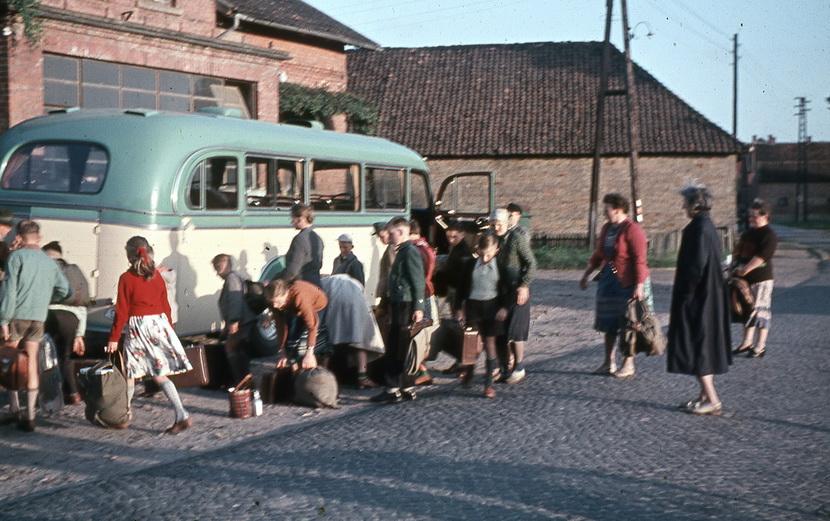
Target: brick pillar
21	74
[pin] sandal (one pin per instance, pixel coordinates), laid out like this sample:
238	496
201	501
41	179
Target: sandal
605	369
742	349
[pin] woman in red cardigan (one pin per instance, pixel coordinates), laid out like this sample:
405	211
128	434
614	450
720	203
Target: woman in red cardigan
621	254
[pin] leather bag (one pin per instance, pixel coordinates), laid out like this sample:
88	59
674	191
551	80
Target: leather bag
470	347
741	299
14	368
642	332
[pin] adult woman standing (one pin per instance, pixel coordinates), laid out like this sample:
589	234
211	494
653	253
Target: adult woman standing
699	337
752	261
621	251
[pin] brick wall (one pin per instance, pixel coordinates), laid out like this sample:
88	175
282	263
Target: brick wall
818	195
21	93
557	191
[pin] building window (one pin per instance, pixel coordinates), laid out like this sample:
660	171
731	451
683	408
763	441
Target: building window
783	201
74	82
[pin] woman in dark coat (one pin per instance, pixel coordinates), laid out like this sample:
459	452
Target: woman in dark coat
699	337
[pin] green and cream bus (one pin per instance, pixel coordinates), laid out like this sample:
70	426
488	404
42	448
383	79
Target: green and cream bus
199	184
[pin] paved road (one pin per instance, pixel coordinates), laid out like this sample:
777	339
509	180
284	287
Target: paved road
562	445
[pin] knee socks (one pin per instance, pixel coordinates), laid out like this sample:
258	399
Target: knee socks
172	394
31	403
489	366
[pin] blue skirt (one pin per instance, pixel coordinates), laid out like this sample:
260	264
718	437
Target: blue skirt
612	299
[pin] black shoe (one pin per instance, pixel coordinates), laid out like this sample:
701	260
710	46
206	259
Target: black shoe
11	417
409	394
742	350
757	354
26	425
387	397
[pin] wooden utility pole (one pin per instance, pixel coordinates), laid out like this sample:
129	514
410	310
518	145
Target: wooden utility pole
600	124
735	86
633	120
633	127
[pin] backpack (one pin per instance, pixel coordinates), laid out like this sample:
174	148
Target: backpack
105	393
78	283
315	388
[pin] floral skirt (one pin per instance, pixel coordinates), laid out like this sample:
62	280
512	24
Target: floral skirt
761	315
152	348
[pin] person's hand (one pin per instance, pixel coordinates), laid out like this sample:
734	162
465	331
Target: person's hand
523	295
459	316
639	294
4	330
233	328
418	315
282	363
583	283
78	346
309	360
740	271
111	347
501	315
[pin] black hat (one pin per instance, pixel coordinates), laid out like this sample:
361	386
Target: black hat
379	227
513	207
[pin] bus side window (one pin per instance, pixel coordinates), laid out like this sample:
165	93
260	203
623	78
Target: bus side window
272	183
385	189
335	186
218	177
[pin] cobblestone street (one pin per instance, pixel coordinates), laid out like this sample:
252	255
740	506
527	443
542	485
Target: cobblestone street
563	444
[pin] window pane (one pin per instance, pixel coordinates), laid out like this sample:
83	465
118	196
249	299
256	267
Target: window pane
272	183
420	195
60	94
139	78
57	167
100	97
201	86
385	189
174	83
59	68
467	194
200	103
100	73
334	186
220	183
139	100
174	103
194	194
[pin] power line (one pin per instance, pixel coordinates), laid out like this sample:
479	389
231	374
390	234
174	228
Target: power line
673	19
705	22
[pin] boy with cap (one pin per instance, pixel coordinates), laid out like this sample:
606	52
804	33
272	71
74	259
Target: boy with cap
347	262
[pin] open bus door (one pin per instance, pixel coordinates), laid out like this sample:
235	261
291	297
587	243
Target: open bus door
467	198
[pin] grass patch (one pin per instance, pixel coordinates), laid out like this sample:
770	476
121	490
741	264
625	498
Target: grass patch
573	258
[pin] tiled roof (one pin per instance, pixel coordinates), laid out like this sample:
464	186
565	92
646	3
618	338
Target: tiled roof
529	99
297	16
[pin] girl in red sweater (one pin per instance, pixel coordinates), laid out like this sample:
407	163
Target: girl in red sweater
142	314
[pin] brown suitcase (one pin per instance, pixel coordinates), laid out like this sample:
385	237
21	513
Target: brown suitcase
198	376
14	368
471	347
277	386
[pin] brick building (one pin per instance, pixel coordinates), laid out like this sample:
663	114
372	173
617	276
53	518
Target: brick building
178	55
772	171
527	112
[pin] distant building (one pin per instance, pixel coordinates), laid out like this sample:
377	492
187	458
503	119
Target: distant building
772	172
527	112
178	55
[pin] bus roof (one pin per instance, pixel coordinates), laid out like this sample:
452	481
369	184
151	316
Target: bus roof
147	148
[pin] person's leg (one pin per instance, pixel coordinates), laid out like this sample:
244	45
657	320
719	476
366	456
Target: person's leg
233	348
746	343
709	401
761	342
489	366
62	326
28	420
172	394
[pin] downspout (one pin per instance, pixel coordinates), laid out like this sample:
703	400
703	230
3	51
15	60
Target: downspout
236	19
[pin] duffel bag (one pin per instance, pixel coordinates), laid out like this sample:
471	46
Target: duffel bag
104	388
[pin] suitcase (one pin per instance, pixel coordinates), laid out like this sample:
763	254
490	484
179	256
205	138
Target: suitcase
14	368
277	386
196	377
219	373
470	347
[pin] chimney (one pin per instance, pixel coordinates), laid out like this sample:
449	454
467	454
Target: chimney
771	139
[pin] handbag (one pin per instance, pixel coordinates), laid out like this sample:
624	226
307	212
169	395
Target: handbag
14	368
741	299
240	399
642	333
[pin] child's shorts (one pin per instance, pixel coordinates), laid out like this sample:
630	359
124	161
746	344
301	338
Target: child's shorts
481	314
26	330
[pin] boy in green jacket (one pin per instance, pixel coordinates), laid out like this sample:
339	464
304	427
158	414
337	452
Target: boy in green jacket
33	280
405	295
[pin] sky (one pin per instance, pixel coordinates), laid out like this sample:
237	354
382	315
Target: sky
783	53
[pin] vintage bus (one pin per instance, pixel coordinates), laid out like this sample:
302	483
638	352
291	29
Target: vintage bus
199	184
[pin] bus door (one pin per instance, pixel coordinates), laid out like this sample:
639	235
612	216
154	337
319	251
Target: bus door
467	198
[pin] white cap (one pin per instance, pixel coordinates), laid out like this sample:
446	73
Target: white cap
499	214
345	238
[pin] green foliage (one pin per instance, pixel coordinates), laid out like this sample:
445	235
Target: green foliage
298	102
29	13
572	258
